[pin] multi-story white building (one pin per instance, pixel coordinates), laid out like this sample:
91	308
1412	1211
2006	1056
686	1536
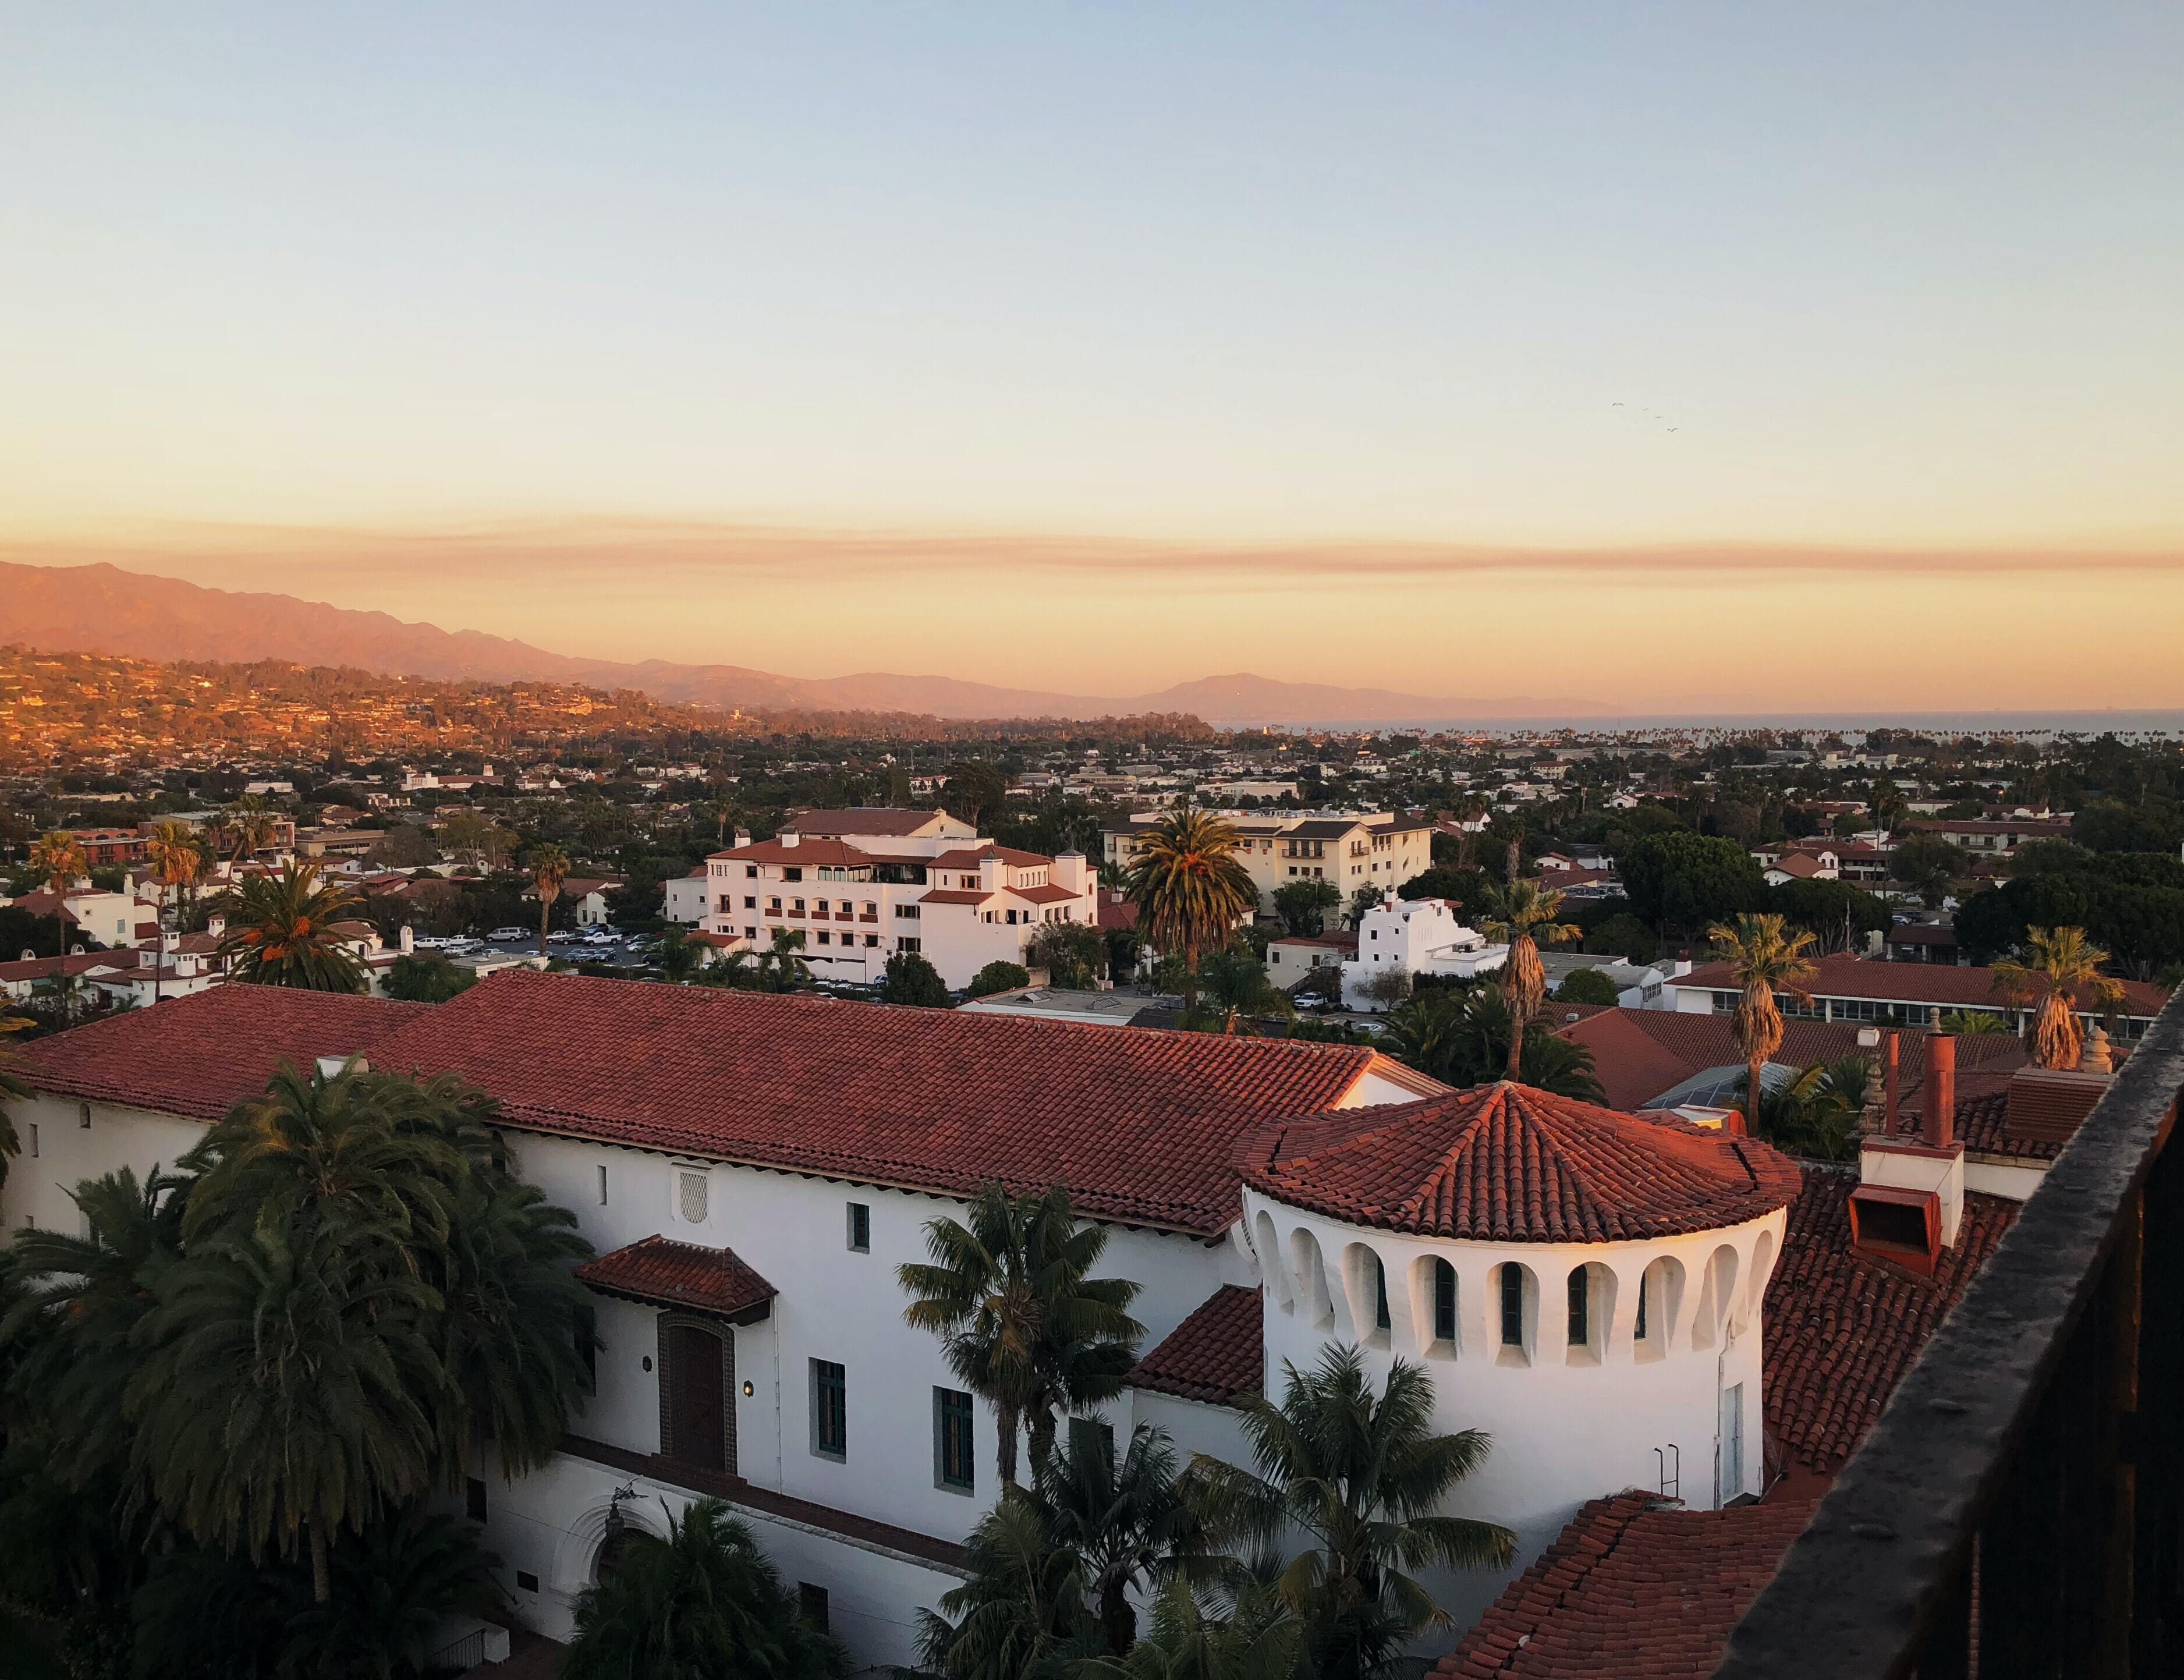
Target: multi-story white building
862	884
1379	849
1415	936
1585	1286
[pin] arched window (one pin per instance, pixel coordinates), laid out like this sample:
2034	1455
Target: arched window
1444	1296
1580	1301
1380	1317
1513	1306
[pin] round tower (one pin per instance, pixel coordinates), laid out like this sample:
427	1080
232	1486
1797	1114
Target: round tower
1583	1285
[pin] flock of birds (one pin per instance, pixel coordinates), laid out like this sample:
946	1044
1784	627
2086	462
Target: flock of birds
1659	420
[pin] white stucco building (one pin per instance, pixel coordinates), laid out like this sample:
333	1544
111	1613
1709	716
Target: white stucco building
1415	936
862	884
1346	849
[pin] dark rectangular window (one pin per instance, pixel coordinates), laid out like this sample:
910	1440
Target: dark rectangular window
954	1466
1513	1306
811	1606
1640	1333
1579	1299
830	1409
1380	1296
474	1499
1444	1301
860	1228
525	1581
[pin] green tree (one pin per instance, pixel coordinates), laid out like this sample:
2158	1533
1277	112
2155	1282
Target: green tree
703	1604
1021	1611
1234	989
1249	1634
999	976
1928	864
2060	966
680	957
1973	1023
1021	1321
975	790
549	868
390	1587
1188	886
1462	1038
1765	958
910	980
285	930
1622	935
1072	953
1303	905
1464	888
1523	912
426	977
58	859
1689	880
784	967
1363	1477
1587	985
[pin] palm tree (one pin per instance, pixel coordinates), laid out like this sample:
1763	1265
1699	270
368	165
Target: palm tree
1522	912
279	1397
172	851
1463	1039
1234	988
1765	957
248	825
1021	1611
282	930
1189	888
1124	1521
783	969
704	1604
1973	1023
1249	1636
1364	1478
58	857
550	868
2061	964
392	1586
1817	1114
1022	1323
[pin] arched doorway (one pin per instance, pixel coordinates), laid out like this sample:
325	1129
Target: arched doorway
698	1370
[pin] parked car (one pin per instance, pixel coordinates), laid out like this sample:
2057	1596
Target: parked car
559	936
602	936
502	935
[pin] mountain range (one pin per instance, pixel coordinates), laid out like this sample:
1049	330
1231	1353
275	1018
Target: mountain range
103	609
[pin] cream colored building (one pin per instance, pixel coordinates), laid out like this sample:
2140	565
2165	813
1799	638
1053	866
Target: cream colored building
1377	849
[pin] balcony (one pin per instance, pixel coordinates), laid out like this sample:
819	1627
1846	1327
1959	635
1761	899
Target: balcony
2017	1509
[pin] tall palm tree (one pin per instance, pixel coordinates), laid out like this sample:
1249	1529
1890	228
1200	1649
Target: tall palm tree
172	851
703	1602
1363	1478
58	857
1188	886
1124	1522
1023	1324
1523	912
282	1394
2060	963
783	968
1249	1634
282	930
248	826
1766	958
550	868
1021	1610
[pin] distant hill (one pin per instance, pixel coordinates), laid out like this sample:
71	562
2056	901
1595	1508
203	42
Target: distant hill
102	608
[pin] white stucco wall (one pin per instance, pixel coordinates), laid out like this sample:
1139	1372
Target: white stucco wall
1567	1425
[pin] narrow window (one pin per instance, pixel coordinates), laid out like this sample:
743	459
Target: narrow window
860	1228
1513	1306
474	1499
1579	1298
83	1115
1645	1288
953	1466
1444	1301
811	1606
603	1185
1380	1295
34	1139
830	1409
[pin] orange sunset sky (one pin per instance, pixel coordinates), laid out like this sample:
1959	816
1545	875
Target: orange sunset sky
1691	357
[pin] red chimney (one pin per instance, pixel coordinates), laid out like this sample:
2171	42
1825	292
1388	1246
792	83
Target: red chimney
1888	1073
1941	1089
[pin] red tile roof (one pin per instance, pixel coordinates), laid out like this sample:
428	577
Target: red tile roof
1116	911
1950	985
41	968
956	897
1216	1354
1633	1587
679	1274
1510	1164
200	1055
1141	1125
1052	893
1842	1330
814	851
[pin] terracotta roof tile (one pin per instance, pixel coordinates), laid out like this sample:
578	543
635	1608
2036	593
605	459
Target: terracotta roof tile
1216	1354
1140	1126
1842	1330
1633	1587
1509	1163
679	1274
865	820
1951	985
201	1055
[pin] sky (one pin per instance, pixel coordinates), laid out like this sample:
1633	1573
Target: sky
1743	355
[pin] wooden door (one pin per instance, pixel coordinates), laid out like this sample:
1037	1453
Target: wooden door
697	1363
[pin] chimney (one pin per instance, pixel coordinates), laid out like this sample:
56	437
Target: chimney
787	836
216	925
1068	871
742	837
1891	1086
2047	1105
1941	1100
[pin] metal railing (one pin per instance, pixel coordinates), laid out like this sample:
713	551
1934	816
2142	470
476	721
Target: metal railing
2016	1511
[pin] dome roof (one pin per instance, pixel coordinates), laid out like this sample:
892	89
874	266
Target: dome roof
1506	1163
